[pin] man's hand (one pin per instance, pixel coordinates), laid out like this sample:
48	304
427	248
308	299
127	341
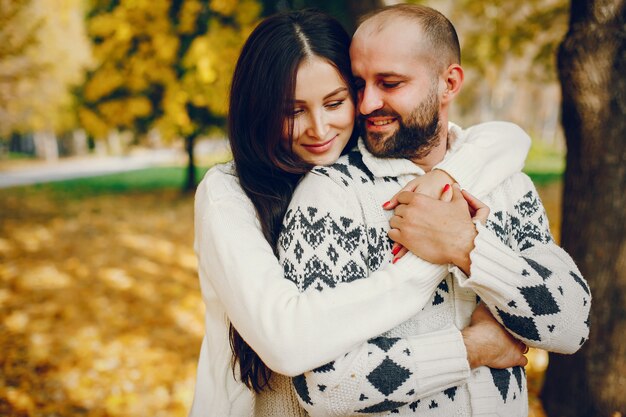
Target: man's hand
489	344
438	231
430	184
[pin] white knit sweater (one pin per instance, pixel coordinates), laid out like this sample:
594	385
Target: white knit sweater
335	231
293	332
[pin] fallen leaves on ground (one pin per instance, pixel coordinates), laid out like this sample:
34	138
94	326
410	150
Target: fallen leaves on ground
100	308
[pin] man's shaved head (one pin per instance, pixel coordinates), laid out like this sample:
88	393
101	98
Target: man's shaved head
440	42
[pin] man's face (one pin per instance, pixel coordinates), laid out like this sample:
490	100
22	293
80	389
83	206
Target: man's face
398	98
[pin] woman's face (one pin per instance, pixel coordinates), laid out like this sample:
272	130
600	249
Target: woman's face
322	113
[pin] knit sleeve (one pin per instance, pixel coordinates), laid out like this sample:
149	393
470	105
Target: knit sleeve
384	374
291	331
486	154
531	285
324	243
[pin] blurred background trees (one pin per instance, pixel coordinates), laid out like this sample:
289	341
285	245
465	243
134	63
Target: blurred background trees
148	72
163	65
43	53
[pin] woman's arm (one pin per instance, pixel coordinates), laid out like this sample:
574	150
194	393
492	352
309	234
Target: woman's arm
480	158
284	326
484	155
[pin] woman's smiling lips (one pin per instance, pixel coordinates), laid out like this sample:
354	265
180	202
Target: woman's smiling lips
321	147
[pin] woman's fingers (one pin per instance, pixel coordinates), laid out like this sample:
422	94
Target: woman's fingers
446	193
408	188
403	251
478	210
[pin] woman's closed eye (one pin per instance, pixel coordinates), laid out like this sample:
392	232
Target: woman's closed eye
334	104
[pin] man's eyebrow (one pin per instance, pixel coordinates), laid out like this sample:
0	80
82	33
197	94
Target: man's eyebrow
390	74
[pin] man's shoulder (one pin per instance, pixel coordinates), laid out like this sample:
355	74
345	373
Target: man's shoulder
516	185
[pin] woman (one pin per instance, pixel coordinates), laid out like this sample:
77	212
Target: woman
292	106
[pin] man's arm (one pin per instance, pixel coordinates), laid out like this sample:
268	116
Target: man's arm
531	285
485	154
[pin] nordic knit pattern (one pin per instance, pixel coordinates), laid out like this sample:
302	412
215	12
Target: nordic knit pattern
293	331
336	231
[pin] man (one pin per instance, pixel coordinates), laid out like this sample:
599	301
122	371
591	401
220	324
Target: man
449	359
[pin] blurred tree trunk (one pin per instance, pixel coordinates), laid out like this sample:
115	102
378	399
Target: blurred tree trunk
190	182
592	64
358	8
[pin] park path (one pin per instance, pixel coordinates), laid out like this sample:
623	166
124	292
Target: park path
27	172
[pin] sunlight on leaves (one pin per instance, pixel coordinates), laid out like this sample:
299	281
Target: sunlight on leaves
45	277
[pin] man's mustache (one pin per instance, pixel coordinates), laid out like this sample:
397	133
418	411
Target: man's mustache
379	113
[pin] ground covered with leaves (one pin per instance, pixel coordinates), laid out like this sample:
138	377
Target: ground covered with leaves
100	308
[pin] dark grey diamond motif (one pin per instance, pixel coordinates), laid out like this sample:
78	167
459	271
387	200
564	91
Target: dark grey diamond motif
540	300
501	379
540	269
388	376
382	406
384	343
523	326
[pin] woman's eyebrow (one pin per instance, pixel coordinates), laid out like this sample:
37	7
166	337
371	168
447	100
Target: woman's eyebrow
340	89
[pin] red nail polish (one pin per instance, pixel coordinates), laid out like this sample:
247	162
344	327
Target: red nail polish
446	188
396	250
386	203
395	260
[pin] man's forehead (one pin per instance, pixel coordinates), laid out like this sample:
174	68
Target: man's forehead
386	46
385	25
399	31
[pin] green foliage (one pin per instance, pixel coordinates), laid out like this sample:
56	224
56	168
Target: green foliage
543	158
142	180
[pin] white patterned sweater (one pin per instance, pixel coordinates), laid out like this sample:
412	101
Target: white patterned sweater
335	227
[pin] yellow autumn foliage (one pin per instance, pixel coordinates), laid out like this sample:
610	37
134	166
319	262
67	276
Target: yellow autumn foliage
139	51
43	52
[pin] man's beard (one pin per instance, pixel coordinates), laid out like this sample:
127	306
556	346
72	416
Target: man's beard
414	139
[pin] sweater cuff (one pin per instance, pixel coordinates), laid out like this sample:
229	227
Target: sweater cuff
494	265
464	167
440	360
483	398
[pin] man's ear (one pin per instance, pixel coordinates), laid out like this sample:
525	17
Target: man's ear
453	78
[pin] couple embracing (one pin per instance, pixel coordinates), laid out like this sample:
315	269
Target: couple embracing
399	267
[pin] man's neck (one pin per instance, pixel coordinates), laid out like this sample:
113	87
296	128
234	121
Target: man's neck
437	154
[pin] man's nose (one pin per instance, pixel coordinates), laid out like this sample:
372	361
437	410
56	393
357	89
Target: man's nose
369	100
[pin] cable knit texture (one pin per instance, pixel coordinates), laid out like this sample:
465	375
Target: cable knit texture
335	231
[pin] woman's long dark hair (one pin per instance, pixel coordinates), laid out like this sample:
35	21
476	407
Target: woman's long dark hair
261	97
